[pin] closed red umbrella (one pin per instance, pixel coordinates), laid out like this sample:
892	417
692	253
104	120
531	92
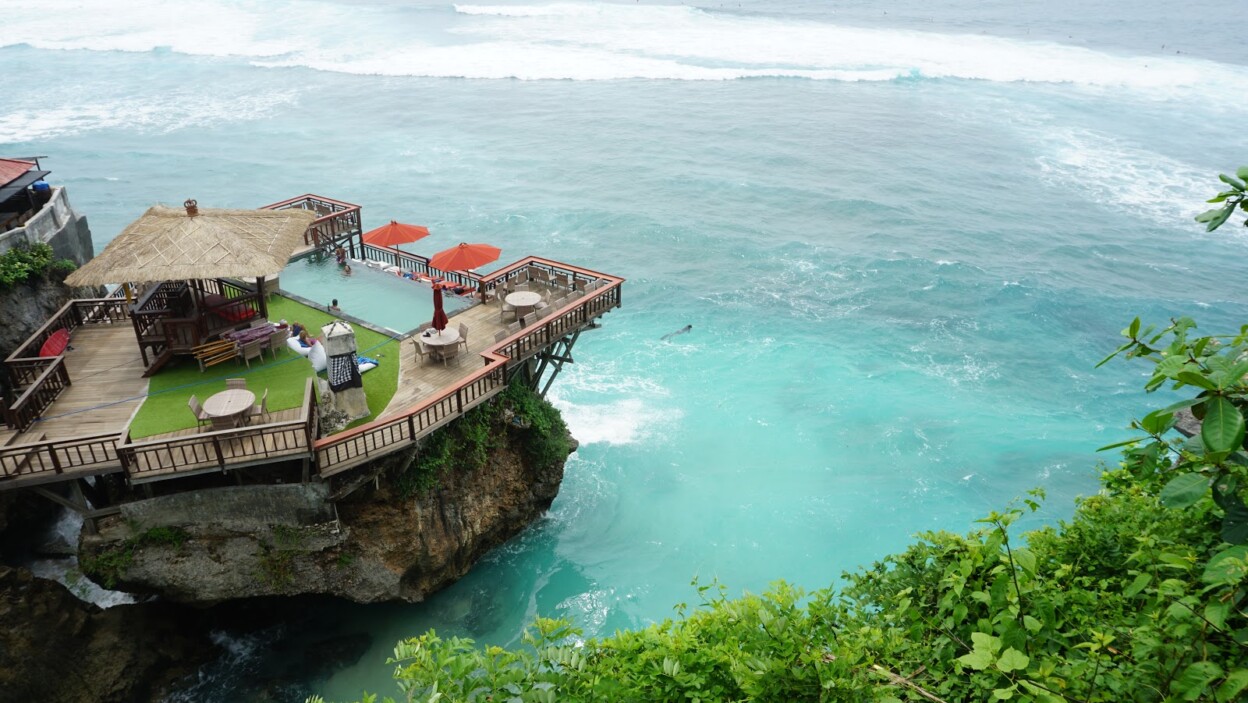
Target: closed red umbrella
439	315
465	256
394	234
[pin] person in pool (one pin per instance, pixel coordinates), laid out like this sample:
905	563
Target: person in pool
346	269
340	255
333	307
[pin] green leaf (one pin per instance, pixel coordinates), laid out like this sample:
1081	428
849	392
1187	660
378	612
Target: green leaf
1227	566
1003	694
1242	173
1209	215
1192	683
1123	443
1230	181
1185	490
1235	513
1134	329
1012	660
1026	559
1220	219
1194	379
1235	683
978	660
1222	430
1137	585
1033	625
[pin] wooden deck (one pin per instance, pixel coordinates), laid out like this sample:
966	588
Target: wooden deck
419	380
77	407
108	385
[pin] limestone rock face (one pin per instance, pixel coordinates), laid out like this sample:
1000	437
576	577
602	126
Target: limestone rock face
58	649
380	547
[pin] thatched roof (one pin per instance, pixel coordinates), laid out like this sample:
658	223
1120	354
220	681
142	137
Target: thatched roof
168	244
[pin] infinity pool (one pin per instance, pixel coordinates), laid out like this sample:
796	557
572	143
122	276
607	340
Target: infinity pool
380	298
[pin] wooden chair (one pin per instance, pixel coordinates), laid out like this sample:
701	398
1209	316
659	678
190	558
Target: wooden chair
513	328
501	335
201	418
236	384
260	410
463	336
508	312
251	350
277	342
423	353
528	320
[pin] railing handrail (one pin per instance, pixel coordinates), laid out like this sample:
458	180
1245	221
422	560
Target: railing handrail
310	196
42	331
246	429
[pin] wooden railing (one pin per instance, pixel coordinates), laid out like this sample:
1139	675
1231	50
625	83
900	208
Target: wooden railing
223	449
38	381
345	450
336	218
58	456
415	263
43	391
380	437
74	314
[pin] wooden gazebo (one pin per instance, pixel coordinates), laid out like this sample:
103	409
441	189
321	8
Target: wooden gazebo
188	264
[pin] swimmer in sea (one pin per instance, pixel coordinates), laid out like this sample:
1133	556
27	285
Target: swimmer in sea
669	335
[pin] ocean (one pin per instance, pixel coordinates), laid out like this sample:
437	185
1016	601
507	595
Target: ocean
903	234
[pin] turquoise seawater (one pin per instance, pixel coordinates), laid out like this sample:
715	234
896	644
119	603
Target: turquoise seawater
903	235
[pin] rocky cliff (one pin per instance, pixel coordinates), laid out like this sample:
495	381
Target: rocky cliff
377	545
56	648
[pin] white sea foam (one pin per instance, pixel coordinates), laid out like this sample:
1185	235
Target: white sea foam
583	41
1136	181
626	421
164	114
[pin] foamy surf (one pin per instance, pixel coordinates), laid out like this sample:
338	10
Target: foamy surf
584	42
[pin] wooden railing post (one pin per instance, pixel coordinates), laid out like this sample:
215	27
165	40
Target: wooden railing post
56	463
216	445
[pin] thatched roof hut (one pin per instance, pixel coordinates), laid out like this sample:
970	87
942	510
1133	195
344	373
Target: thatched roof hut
170	244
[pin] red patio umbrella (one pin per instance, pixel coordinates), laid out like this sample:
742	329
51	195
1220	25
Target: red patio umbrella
395	233
465	256
439	315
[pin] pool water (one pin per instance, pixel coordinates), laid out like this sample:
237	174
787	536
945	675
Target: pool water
398	304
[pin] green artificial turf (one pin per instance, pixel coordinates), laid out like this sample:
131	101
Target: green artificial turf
166	410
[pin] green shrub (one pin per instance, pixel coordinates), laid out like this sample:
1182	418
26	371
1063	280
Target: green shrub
465	445
24	262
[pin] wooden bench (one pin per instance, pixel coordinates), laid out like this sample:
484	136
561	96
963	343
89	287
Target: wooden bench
214	352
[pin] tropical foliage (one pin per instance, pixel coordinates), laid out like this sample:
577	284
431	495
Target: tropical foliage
23	263
1234	196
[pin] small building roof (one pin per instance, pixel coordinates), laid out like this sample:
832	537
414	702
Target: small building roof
171	244
11	169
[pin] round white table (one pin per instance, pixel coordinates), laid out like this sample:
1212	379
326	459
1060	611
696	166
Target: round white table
523	301
445	338
229	403
441	343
